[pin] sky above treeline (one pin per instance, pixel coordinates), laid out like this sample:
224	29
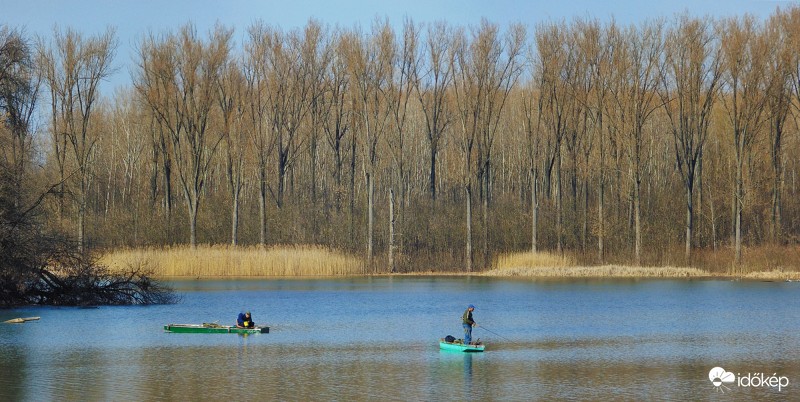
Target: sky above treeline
132	19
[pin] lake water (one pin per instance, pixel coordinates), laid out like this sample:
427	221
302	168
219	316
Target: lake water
377	339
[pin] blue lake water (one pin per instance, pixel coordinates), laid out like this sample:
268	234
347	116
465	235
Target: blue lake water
377	339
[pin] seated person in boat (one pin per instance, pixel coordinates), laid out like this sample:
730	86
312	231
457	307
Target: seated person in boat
245	321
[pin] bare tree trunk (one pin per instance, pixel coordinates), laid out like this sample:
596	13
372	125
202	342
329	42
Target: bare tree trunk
689	222
235	220
391	231
486	257
777	168
262	203
559	208
601	203
154	176
432	174
353	192
469	227
313	167
699	179
601	200
370	215
637	217
777	228
534	211
585	226
713	224
81	223
739	199
193	227
168	187
282	169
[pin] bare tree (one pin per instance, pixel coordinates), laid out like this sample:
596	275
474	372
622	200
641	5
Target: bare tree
19	91
497	67
581	139
532	106
258	93
744	58
230	87
180	90
128	141
289	81
690	74
791	27
336	113
597	46
779	101
316	56
485	67
74	67
433	78
467	110
639	56
555	68
371	63
401	85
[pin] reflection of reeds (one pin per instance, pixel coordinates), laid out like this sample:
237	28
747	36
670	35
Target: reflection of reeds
225	261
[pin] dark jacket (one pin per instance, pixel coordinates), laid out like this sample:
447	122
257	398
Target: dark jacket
467	318
242	321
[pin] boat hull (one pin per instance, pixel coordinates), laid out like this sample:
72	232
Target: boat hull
460	347
212	329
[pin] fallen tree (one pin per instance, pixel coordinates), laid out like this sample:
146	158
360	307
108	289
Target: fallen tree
37	267
47	269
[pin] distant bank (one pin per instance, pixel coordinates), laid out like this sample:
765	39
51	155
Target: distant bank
207	262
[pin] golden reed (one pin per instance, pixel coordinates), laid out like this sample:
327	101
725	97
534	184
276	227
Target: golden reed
758	266
543	264
218	261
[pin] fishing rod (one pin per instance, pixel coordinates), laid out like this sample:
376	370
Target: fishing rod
489	330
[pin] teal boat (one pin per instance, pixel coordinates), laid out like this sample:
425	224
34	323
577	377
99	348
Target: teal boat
207	328
458	346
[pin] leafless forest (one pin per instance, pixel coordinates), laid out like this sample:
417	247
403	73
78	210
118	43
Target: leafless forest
419	146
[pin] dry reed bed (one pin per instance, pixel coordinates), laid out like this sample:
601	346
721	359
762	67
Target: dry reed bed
529	259
303	260
604	271
774	275
226	261
546	265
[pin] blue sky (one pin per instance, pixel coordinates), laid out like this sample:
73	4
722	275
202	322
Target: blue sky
134	18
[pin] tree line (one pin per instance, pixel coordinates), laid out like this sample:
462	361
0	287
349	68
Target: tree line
425	145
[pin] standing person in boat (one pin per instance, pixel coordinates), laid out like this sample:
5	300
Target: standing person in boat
245	321
468	324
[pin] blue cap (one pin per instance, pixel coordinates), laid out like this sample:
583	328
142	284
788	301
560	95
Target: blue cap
470	306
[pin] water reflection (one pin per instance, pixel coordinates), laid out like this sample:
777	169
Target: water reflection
468	371
581	341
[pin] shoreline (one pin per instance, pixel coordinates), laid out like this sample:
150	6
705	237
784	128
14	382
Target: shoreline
311	261
540	273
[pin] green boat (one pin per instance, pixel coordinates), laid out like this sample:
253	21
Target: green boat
207	328
459	346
